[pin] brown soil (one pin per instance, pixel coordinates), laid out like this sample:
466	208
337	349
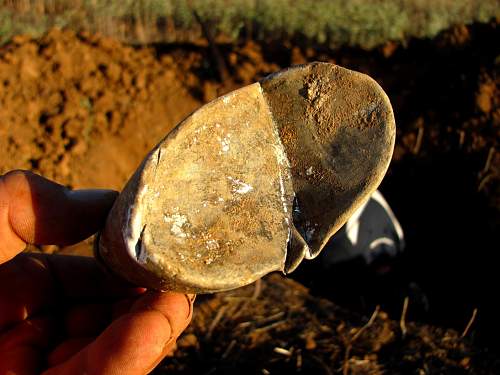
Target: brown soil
84	110
71	107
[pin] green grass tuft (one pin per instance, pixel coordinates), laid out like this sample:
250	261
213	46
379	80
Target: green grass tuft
365	23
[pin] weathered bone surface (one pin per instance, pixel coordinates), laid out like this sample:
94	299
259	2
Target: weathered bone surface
252	182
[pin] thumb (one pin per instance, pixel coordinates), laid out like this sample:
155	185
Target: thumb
36	210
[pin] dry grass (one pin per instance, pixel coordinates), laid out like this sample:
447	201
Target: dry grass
365	23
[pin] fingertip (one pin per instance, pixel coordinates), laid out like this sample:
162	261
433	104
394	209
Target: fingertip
10	242
17	177
176	307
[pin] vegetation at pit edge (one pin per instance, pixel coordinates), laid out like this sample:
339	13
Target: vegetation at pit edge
334	23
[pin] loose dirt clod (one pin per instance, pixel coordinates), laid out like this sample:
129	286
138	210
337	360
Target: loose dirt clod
275	165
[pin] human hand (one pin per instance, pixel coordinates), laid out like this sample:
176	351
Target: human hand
63	314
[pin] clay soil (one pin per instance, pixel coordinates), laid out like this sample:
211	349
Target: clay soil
85	109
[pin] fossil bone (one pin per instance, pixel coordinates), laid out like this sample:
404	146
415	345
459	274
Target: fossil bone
252	182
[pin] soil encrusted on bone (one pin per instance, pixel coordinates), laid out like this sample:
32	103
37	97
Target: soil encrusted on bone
339	132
